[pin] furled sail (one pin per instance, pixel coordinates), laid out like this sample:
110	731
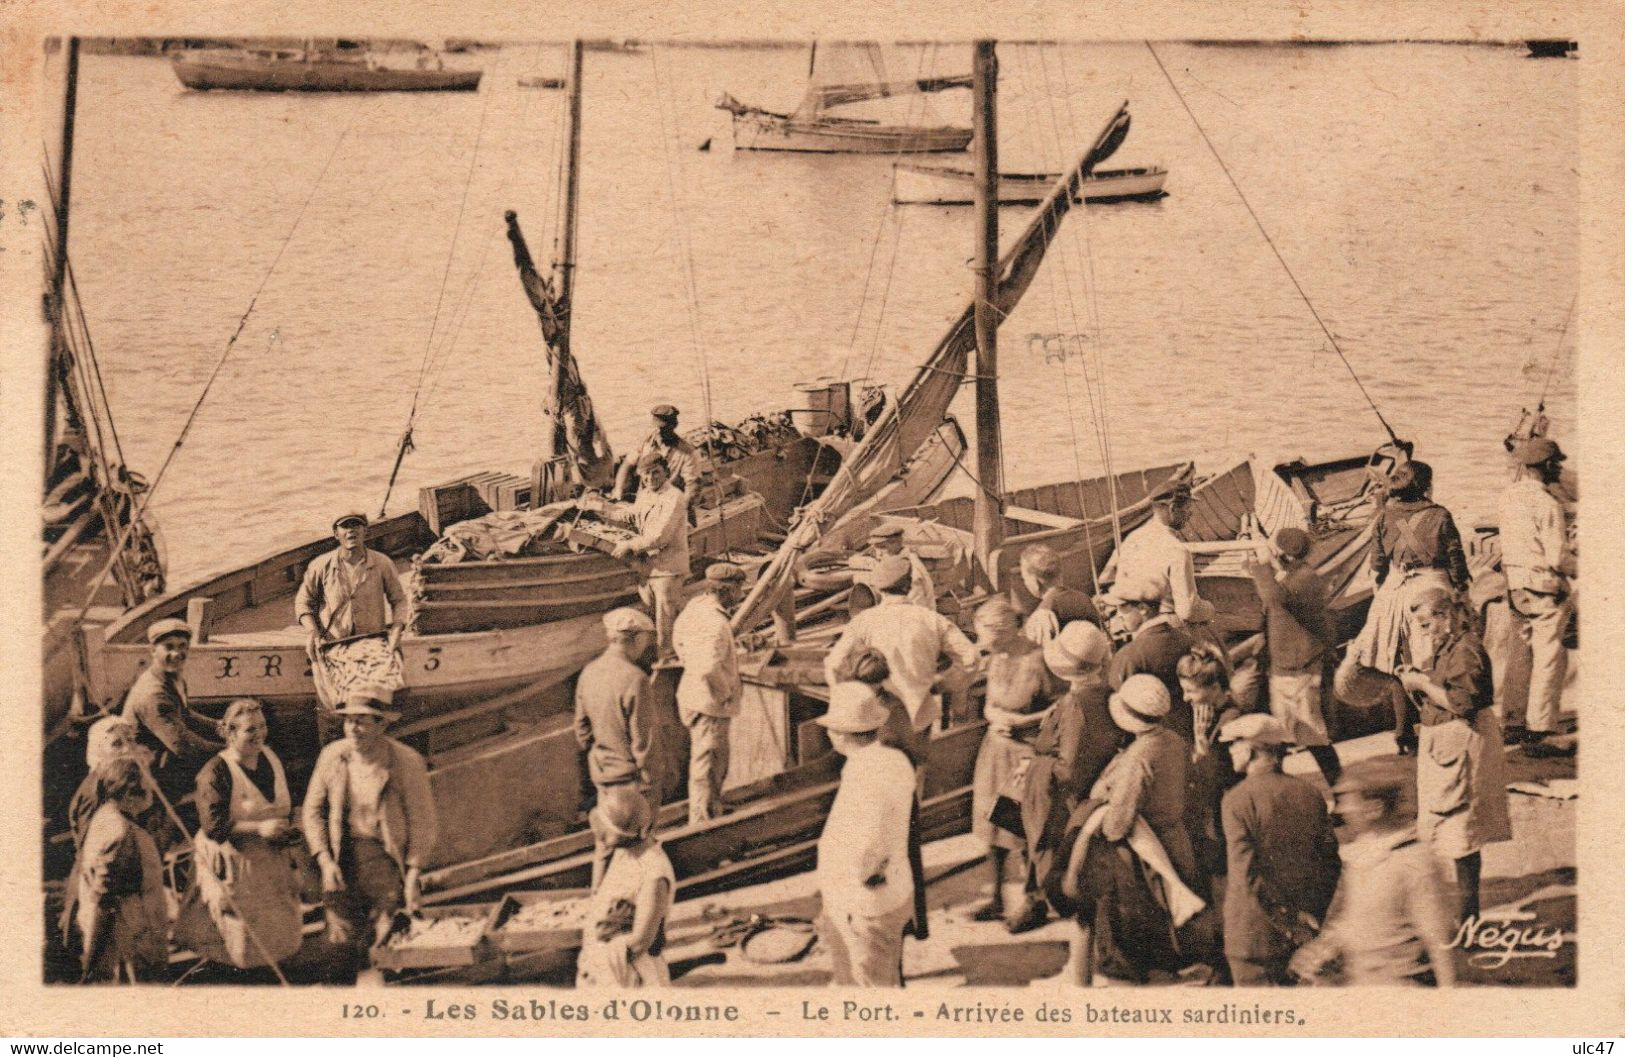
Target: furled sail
854	73
574	447
905	425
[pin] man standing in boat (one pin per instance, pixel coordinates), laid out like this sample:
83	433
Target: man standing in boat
345	591
1155	552
1043	602
660	514
157	704
708	694
1540	567
614	717
911	638
885	541
684	462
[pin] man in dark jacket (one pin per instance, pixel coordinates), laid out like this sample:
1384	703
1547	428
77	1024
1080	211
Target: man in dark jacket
1297	634
1283	857
1154	644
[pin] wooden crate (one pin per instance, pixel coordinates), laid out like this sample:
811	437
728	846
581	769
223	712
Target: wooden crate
385	956
527	941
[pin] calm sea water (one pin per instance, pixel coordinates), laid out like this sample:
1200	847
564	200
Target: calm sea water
1426	197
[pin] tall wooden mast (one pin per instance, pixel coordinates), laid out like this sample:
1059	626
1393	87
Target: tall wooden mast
59	270
988	523
572	184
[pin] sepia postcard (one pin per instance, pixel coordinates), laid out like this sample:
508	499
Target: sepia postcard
1041	520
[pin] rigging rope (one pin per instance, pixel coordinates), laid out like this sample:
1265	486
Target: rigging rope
191	417
1271	243
1552	370
1086	265
405	444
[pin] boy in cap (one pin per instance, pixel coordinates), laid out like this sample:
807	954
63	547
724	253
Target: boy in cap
613	714
369	819
344	591
157	704
1297	634
863	864
708	692
684	462
1151	644
660	514
1539	561
1282	855
1388	923
1155	552
885	541
911	638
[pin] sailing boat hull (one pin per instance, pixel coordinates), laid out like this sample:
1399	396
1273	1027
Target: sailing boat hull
944	185
546	610
759	131
248	74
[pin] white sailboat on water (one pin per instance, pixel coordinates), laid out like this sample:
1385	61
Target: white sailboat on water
840	75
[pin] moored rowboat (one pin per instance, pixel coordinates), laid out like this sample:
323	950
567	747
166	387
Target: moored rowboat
914	184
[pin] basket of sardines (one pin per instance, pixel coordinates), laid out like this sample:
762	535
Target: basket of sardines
436	937
538	921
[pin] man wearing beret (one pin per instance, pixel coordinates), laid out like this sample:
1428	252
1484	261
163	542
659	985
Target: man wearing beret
660	515
1298	634
1540	568
614	717
1282	855
886	540
350	591
709	691
157	703
1155	552
684	463
369	819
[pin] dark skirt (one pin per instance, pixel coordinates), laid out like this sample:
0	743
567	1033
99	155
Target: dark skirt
1122	900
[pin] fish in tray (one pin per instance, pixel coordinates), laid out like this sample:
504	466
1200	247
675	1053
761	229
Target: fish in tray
548	915
449	931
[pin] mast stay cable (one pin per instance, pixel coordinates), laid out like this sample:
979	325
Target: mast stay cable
191	417
1271	243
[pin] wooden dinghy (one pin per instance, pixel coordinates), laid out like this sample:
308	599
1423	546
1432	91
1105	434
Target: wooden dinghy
953	186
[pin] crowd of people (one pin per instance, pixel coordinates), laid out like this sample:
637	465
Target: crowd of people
1130	779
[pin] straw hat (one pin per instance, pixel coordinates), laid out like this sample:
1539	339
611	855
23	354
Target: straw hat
1140	704
623	814
854	708
1079	643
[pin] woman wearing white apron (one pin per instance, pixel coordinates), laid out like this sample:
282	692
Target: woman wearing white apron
1415	546
625	931
247	876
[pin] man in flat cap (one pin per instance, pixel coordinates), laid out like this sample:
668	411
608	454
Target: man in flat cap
660	515
1298	635
614	716
350	591
1540	566
164	720
1282	855
684	463
1155	552
709	691
1150	644
885	541
913	640
370	821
